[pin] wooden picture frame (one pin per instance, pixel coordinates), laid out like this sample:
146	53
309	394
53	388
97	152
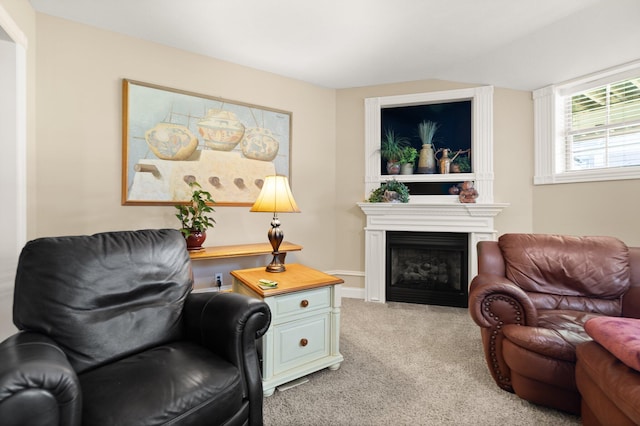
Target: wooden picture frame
171	137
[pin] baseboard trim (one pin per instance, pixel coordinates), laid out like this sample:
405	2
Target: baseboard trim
349	292
353	293
346	272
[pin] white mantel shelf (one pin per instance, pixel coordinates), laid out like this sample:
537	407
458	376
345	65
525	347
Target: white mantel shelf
474	219
431	217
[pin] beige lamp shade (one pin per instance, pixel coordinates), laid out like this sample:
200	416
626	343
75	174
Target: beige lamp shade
275	196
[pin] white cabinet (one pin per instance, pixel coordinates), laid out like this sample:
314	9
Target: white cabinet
304	335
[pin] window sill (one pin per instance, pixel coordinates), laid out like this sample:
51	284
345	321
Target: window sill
596	175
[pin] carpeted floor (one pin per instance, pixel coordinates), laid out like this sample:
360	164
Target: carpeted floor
406	364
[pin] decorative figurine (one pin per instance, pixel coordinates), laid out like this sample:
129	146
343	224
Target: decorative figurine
468	193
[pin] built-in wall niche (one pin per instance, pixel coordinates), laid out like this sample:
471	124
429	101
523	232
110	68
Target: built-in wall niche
465	119
453	121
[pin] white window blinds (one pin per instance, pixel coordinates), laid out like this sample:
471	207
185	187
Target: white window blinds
602	126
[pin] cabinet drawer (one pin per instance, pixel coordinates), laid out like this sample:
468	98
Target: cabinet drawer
301	302
299	342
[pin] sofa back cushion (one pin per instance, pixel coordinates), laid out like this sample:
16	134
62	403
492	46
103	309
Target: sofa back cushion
564	270
104	296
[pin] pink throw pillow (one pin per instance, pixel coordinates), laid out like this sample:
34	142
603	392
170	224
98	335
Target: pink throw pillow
620	336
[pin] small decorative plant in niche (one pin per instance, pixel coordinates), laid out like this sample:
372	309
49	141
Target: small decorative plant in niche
391	149
193	216
390	191
407	160
462	163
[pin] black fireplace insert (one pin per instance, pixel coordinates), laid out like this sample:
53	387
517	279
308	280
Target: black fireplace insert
428	268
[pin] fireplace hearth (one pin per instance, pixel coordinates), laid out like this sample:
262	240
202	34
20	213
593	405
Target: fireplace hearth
427	268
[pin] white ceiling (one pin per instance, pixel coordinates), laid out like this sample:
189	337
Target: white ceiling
519	44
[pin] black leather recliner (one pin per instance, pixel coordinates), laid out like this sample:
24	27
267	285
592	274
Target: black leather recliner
111	334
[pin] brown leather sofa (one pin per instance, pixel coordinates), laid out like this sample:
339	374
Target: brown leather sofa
531	298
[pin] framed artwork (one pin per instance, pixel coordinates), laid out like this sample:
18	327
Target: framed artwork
172	137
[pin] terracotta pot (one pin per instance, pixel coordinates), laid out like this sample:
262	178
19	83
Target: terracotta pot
195	240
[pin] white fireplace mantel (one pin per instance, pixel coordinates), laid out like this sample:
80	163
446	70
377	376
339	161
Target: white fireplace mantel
476	220
429	213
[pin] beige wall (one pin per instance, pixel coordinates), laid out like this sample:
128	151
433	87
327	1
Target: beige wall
602	208
80	70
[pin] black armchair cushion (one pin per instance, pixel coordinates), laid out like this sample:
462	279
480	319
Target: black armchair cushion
179	380
128	285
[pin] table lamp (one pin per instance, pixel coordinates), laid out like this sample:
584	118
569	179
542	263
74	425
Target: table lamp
275	197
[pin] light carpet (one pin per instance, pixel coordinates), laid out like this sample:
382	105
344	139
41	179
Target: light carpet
406	364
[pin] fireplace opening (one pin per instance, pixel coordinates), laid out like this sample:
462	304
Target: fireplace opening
429	268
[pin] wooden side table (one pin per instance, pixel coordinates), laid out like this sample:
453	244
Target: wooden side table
304	335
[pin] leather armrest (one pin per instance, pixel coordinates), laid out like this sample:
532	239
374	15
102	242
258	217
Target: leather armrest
38	386
229	324
225	322
495	301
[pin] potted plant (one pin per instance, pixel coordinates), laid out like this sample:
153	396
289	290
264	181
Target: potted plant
427	161
461	164
407	160
193	216
391	149
390	191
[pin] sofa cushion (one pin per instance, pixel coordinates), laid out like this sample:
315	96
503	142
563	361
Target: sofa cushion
620	336
567	265
170	382
557	335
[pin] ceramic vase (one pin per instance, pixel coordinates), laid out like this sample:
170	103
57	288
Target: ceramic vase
426	160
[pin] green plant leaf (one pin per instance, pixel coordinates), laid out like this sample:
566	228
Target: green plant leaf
378	194
192	215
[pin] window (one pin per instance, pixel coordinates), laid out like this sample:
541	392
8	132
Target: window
589	129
